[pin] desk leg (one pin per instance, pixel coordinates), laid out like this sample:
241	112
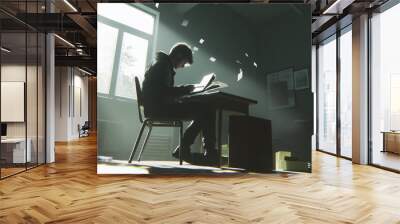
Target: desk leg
384	143
219	151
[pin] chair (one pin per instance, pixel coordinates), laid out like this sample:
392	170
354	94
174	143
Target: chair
150	123
84	129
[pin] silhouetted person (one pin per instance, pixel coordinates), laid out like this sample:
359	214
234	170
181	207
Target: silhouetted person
160	99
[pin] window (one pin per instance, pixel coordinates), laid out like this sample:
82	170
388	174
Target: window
128	15
385	87
327	96
125	37
394	102
314	90
106	39
132	63
22	101
329	111
346	93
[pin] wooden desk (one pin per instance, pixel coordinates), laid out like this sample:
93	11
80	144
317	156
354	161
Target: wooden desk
221	101
391	142
17	152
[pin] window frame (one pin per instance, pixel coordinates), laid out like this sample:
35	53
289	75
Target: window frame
122	28
35	60
334	37
342	32
324	42
381	9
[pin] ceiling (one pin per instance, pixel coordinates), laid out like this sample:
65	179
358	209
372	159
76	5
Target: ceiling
337	14
76	24
80	26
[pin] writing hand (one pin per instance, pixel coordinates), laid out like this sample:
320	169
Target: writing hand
190	88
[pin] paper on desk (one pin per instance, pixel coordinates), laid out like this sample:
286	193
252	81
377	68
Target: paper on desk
217	85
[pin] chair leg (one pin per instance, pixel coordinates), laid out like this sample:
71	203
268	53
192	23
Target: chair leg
144	143
180	142
137	142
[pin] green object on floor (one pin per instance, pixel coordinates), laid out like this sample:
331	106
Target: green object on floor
225	155
225	150
280	161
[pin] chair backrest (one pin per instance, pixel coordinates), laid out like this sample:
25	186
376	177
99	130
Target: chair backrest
139	98
86	124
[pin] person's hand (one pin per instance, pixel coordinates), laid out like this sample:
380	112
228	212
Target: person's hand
189	88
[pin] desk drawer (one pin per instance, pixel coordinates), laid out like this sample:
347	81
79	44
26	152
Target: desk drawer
19	153
6	154
14	152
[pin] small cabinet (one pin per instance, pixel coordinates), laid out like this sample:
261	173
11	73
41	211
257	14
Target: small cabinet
391	142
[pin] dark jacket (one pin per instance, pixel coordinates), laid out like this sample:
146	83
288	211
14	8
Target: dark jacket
158	86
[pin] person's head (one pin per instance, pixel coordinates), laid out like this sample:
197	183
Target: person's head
181	54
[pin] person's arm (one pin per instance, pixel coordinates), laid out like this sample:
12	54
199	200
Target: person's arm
165	85
181	90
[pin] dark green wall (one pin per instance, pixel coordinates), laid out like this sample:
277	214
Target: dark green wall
288	45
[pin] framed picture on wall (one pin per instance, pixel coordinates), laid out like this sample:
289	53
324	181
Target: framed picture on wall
12	101
301	79
280	88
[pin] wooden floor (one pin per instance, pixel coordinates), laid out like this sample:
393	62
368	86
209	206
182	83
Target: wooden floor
386	159
70	191
10	171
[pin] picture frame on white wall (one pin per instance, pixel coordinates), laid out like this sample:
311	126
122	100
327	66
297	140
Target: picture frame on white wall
12	101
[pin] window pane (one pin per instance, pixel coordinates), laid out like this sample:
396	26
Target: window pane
346	94
132	63
327	97
13	90
314	90
385	89
107	42
127	15
395	102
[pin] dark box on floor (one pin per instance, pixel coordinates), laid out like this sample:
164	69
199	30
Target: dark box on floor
250	143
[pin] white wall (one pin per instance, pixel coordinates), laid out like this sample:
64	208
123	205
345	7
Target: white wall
34	125
62	81
69	82
12	73
80	83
